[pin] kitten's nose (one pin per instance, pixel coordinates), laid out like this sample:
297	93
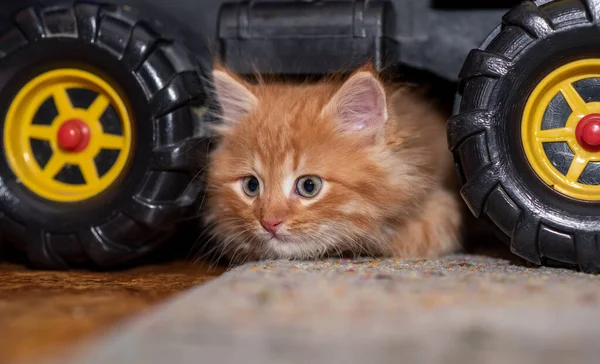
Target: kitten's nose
271	225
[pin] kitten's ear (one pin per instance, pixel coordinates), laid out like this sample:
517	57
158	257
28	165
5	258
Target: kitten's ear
235	99
359	104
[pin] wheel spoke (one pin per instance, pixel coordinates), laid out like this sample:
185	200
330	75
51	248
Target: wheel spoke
577	166
111	141
555	135
42	132
89	171
98	107
53	166
576	103
62	100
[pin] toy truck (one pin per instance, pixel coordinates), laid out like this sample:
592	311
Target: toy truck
104	108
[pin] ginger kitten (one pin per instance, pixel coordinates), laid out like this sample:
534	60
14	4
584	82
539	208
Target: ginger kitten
349	166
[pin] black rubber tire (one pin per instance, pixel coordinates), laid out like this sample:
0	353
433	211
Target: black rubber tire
544	227
163	84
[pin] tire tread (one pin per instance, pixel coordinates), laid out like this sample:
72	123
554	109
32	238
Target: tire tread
530	18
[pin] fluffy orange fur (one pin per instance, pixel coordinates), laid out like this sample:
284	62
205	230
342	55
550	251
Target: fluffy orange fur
387	186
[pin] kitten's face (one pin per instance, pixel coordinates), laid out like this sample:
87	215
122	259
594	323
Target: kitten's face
296	175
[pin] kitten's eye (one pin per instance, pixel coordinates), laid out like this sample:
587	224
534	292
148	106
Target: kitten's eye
309	186
251	186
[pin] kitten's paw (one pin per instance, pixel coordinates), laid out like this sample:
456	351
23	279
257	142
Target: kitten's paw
434	232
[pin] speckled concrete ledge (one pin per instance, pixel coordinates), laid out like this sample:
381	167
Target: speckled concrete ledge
456	310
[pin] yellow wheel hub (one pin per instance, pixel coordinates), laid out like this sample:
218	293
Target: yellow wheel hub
561	129
75	134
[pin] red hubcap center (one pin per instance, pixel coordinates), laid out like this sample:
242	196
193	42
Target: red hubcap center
591	134
73	135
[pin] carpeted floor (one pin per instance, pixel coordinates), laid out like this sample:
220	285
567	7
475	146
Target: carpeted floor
460	309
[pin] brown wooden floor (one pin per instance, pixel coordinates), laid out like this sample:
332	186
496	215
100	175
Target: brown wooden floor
44	312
